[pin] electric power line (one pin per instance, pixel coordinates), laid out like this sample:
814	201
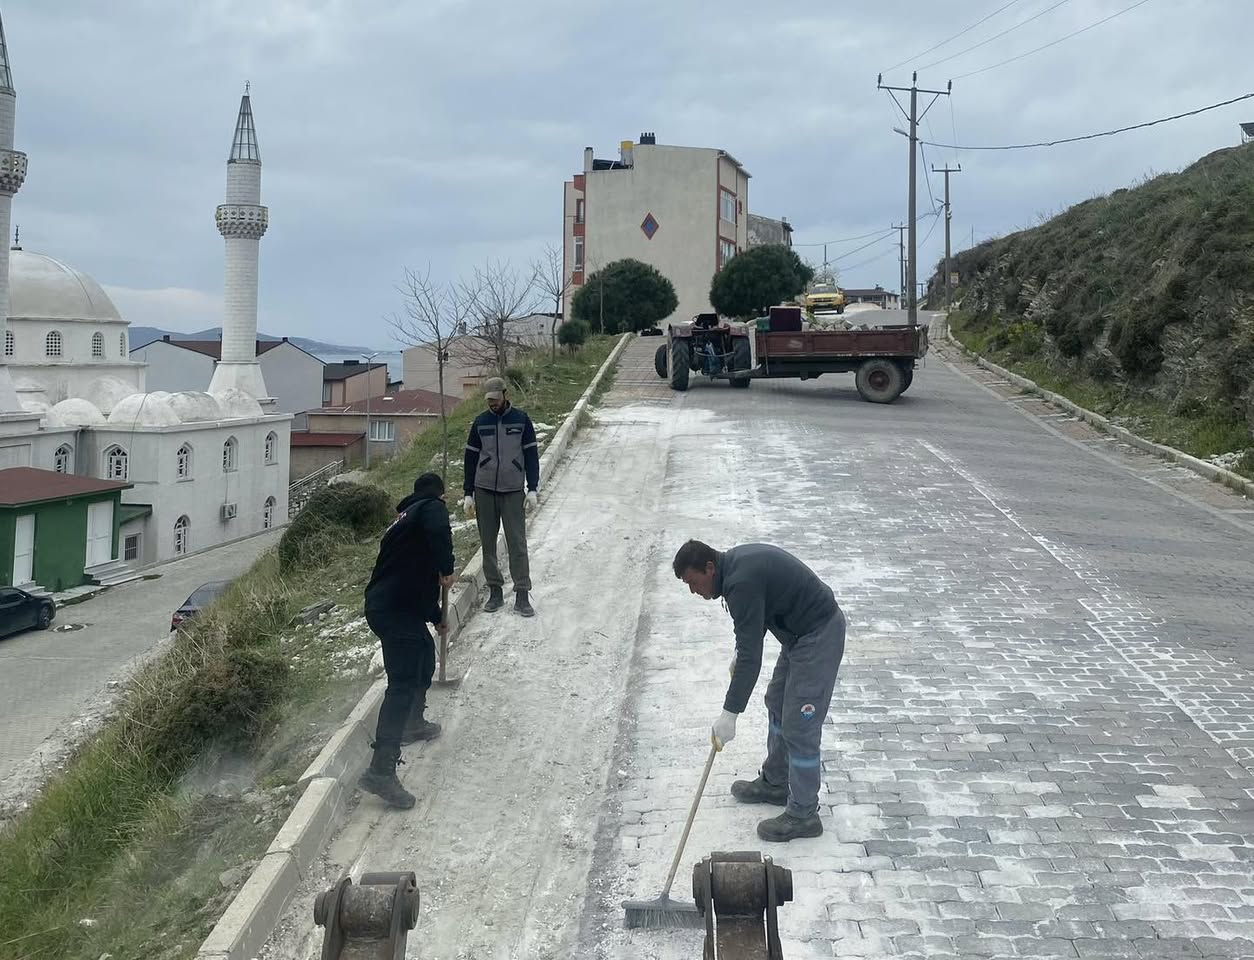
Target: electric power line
834	242
872	243
954	37
1046	46
1094	136
1022	23
927	173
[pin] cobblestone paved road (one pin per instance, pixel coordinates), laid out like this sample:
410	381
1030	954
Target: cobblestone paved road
1040	745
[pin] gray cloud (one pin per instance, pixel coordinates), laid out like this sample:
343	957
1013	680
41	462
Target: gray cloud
398	133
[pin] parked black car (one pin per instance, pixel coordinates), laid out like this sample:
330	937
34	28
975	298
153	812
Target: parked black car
20	611
201	597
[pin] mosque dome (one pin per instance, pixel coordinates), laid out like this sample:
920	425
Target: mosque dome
75	412
144	410
194	407
43	288
105	392
236	403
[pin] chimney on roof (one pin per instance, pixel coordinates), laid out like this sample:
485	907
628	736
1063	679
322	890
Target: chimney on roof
285	339
166	338
587	159
649	139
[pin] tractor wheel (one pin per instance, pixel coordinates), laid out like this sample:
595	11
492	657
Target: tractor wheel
659	361
742	359
681	357
880	381
908	372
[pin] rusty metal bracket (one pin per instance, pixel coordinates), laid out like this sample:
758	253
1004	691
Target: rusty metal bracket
738	894
370	921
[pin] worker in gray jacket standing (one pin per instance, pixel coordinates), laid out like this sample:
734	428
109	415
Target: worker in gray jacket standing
502	457
766	588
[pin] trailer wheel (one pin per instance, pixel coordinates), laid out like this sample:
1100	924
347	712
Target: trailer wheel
659	361
742	359
681	357
908	372
880	381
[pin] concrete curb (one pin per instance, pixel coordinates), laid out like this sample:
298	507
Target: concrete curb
328	781
1208	470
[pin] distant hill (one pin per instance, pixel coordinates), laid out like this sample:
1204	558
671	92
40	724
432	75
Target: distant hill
142	335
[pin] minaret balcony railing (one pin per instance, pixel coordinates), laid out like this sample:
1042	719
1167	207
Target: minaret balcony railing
12	171
246	220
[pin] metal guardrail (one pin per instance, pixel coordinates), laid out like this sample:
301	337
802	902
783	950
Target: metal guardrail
298	493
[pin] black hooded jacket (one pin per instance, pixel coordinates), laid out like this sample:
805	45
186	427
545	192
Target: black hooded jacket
416	550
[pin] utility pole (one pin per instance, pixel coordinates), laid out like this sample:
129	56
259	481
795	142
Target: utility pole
914	117
947	170
901	255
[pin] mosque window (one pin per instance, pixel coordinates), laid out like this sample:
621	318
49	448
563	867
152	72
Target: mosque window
230	456
97	346
181	526
184	457
9	343
272	447
267	514
122	345
52	344
61	460
117	464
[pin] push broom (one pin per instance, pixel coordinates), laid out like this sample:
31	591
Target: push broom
665	912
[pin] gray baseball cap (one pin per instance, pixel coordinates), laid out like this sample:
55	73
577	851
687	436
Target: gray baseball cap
494	389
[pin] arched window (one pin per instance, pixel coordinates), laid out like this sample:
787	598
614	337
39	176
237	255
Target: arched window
181	526
97	346
267	514
52	344
10	344
230	456
117	464
272	447
62	460
184	457
122	345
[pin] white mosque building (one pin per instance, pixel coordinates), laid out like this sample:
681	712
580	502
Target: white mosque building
203	468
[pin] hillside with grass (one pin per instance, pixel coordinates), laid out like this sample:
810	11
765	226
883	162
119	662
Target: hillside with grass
1139	304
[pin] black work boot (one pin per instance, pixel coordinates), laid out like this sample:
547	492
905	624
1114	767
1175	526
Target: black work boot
522	605
417	727
495	600
759	791
380	779
786	827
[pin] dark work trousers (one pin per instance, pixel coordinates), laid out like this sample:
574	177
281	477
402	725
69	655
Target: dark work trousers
409	659
797	699
494	510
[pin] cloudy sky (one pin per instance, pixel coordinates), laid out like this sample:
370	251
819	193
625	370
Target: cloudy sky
402	133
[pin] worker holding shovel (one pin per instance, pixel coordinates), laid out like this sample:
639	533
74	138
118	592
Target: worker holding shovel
415	561
766	588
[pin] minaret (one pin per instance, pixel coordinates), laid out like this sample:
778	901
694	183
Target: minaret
241	221
12	173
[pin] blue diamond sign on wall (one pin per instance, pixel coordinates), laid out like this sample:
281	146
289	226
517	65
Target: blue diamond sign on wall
649	226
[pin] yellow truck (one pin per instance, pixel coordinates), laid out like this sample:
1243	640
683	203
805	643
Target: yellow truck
825	297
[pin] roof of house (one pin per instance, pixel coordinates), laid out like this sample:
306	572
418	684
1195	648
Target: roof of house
868	292
350	368
412	403
22	485
213	348
304	438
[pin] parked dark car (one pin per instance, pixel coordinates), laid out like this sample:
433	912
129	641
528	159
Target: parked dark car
201	597
20	611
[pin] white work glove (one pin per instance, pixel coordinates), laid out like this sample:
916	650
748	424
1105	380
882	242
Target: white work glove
724	731
468	506
533	500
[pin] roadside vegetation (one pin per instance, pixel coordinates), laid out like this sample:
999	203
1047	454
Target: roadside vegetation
1139	305
139	843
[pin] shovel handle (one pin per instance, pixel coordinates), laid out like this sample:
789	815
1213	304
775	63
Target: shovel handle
692	813
444	635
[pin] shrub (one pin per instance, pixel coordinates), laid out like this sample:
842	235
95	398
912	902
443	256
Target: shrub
337	513
572	334
517	378
629	295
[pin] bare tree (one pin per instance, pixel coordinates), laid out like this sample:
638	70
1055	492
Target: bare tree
500	296
434	316
552	280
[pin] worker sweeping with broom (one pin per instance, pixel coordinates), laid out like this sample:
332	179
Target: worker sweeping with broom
766	588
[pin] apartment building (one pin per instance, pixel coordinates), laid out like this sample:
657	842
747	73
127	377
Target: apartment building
684	210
